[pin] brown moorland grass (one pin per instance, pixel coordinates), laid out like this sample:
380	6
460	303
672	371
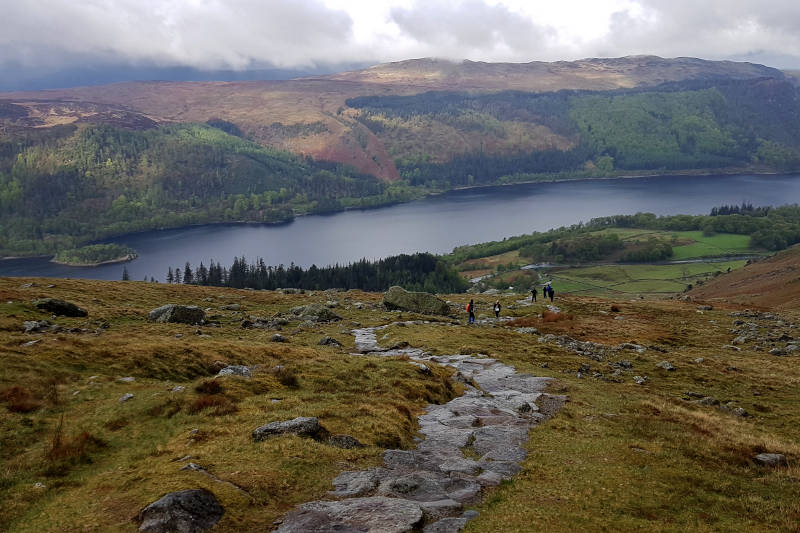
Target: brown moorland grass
619	456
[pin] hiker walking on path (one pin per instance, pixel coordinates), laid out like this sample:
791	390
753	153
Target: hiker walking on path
497	309
533	294
471	311
550	292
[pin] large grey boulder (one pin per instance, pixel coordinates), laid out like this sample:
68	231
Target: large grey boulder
315	313
415	302
59	307
374	514
184	314
303	426
185	511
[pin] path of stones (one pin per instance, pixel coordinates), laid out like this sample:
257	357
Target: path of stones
426	488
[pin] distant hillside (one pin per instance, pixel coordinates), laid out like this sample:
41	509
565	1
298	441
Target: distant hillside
538	76
85	163
310	116
773	283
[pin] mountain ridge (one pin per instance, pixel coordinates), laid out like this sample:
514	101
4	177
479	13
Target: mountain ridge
255	106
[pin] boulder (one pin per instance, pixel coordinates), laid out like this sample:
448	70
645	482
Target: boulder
184	314
328	341
415	302
279	338
34	326
235	370
770	459
666	365
185	511
304	426
315	313
446	525
387	515
59	307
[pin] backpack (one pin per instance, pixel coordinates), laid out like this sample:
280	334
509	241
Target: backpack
469	308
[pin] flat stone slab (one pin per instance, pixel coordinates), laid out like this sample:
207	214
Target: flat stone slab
373	514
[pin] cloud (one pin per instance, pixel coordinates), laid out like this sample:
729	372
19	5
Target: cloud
48	35
470	29
716	29
196	33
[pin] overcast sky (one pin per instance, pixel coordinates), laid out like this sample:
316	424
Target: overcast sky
44	36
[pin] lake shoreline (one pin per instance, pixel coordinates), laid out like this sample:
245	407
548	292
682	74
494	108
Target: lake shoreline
718	173
435	224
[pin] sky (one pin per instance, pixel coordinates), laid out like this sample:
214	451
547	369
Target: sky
67	42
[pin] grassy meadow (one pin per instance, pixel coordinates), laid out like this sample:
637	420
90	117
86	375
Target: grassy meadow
707	254
619	456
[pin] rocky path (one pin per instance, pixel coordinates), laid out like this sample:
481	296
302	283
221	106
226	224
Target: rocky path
470	443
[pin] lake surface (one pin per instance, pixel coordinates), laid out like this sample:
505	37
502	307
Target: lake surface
435	224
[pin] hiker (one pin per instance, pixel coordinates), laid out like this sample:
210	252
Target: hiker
550	292
471	311
497	309
533	295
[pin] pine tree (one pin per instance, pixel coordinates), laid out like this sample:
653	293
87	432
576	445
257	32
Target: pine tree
125	276
170	276
188	277
177	274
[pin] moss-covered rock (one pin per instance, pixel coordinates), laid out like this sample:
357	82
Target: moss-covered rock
185	314
59	307
416	302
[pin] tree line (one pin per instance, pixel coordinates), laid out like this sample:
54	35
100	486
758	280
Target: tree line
415	272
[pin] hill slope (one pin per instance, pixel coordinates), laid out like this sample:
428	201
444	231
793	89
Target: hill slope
620	455
771	283
310	116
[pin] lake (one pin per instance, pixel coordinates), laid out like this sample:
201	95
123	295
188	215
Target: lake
435	224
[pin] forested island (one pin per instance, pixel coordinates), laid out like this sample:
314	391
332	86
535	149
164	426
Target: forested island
95	254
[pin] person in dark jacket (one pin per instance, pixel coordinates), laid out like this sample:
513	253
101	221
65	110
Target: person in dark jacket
497	309
471	311
534	292
550	292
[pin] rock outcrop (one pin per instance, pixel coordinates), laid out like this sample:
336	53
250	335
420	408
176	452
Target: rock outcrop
184	314
304	426
185	511
415	302
60	307
315	313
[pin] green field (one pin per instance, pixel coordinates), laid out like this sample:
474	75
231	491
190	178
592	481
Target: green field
710	246
609	280
698	245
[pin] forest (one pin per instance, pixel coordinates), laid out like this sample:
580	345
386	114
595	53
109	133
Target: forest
70	185
708	124
416	272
